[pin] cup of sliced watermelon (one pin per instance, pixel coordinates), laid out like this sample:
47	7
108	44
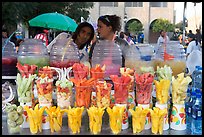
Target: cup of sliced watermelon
121	92
143	93
80	74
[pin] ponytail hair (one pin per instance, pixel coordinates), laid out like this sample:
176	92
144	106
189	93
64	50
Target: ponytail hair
111	20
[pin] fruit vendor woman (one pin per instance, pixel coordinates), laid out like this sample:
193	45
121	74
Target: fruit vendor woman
82	38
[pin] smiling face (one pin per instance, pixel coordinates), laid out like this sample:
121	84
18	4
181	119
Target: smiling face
104	31
84	36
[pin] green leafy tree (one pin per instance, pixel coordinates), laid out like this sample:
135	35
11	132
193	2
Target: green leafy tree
163	24
15	12
179	26
135	27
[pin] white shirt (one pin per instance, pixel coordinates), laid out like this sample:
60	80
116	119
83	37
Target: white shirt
162	40
192	46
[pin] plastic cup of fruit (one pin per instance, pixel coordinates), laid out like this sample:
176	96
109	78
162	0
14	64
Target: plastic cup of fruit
64	96
121	93
48	73
157	124
44	92
138	120
80	74
83	95
97	75
74	123
143	93
28	96
103	92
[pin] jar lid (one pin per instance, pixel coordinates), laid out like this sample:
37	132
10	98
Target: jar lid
32	47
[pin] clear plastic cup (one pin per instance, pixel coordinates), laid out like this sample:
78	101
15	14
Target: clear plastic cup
64	97
80	74
83	95
138	123
120	93
44	92
143	93
103	92
157	124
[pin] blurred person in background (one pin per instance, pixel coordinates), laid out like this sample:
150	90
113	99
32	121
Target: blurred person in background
4	33
128	38
193	44
163	38
198	36
18	43
43	35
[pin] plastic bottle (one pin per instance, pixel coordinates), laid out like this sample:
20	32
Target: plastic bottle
196	125
33	52
9	58
197	78
173	55
108	53
188	108
64	53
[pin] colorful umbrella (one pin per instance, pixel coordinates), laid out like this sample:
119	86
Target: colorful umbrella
54	21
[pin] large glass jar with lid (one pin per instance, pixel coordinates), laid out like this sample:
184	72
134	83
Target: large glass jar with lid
109	54
33	52
138	56
64	53
9	58
173	55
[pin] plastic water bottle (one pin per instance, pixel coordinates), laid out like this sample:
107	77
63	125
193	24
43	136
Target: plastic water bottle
197	78
196	125
188	108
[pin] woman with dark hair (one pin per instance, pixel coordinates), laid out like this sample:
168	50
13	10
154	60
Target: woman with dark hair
82	37
163	38
193	44
108	26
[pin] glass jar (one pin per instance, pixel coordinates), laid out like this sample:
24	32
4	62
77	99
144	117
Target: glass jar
138	56
9	58
108	53
64	53
33	52
173	55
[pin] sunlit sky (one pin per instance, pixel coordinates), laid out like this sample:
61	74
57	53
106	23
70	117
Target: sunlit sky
191	10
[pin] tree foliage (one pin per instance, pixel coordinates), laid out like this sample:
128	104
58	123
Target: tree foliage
14	12
135	27
179	26
163	24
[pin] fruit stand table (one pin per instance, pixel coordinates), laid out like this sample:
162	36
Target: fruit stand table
85	128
